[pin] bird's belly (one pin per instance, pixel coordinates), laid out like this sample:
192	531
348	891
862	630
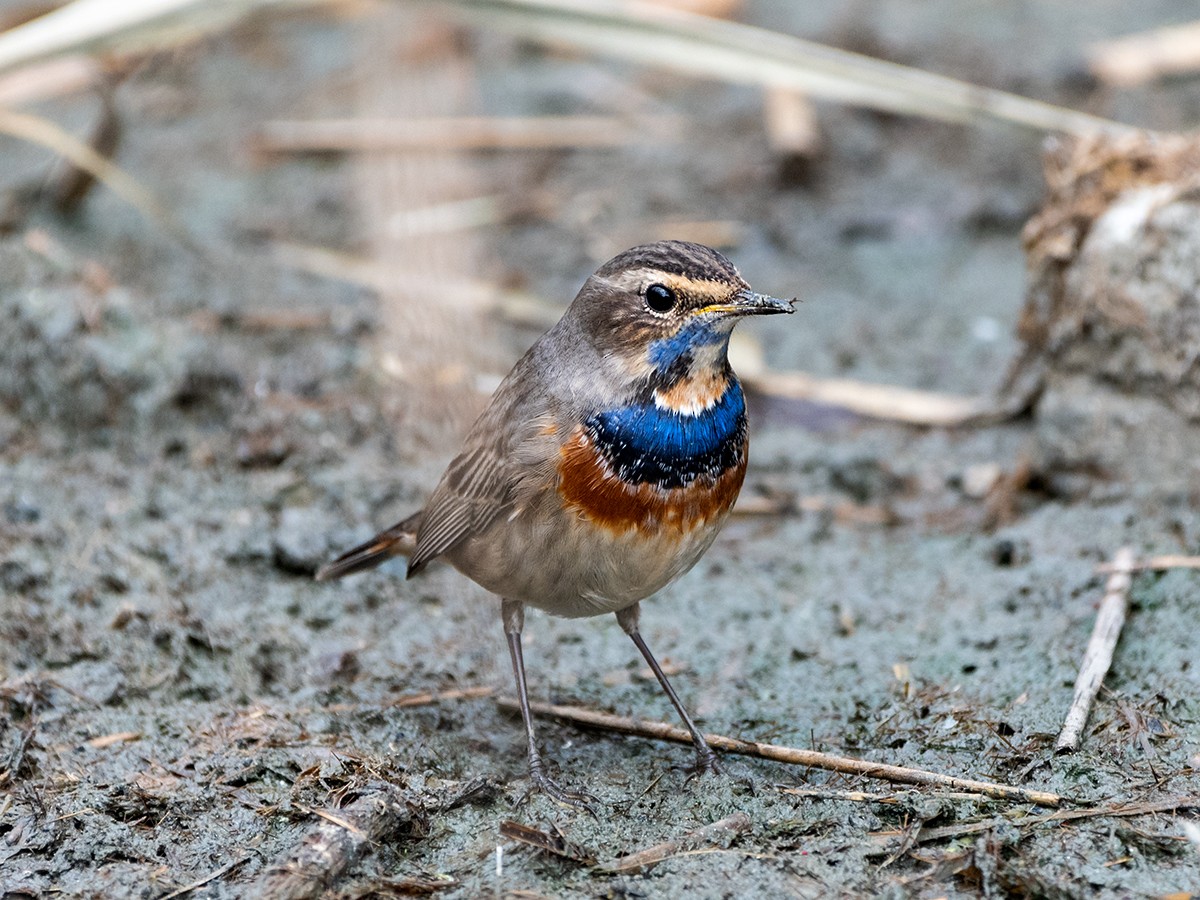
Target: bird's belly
569	566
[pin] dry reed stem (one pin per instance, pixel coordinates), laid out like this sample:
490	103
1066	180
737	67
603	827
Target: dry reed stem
1099	654
901	774
1115	810
743	54
881	401
41	131
374	135
201	882
1154	564
719	832
1139	58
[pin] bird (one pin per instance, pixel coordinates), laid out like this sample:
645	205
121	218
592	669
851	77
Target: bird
604	464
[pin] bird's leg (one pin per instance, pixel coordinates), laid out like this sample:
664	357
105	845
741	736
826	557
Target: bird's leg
513	614
706	759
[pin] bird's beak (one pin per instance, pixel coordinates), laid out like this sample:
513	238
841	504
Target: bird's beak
748	303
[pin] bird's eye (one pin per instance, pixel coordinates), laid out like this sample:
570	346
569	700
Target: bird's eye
660	298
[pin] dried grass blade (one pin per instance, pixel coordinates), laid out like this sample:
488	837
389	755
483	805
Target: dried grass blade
119	26
744	54
41	131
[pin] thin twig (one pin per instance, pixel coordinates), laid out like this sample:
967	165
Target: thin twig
901	774
881	401
54	78
450	133
426	698
890	798
1154	564
201	882
339	821
41	131
1118	810
1138	58
107	740
717	832
312	866
849	796
1099	654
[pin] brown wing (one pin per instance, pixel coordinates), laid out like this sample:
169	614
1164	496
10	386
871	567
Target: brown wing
476	488
508	453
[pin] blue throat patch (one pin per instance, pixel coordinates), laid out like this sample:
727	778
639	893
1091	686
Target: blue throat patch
697	333
648	445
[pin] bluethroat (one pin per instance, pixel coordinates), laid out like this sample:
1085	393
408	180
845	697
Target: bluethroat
605	463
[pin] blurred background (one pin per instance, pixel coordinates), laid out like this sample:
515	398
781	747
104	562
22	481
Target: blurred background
261	263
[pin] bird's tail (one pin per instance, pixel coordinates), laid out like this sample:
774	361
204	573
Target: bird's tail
399	540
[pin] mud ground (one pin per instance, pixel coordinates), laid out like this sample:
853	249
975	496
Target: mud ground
179	449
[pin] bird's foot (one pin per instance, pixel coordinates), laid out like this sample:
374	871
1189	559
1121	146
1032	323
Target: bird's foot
540	781
706	763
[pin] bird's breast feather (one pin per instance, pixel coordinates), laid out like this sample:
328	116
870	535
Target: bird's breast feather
645	467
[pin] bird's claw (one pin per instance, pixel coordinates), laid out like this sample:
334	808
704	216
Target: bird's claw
581	800
706	763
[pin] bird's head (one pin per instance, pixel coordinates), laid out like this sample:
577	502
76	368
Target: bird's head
665	310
